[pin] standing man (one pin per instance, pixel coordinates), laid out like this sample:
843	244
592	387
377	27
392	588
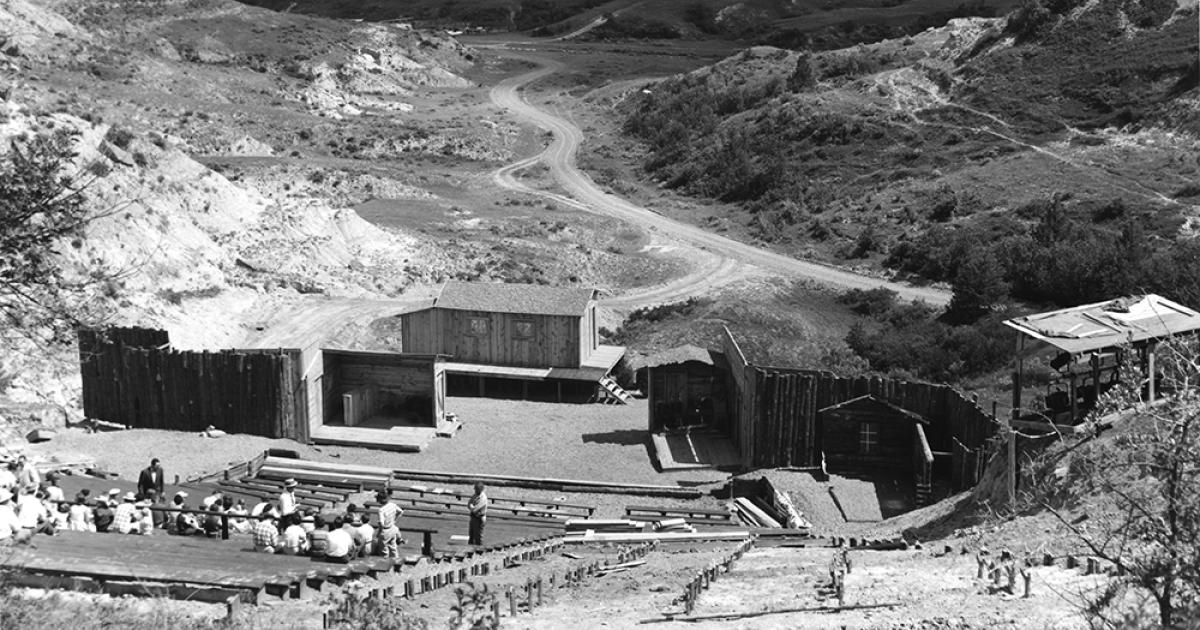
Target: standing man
287	498
478	506
151	479
28	477
389	534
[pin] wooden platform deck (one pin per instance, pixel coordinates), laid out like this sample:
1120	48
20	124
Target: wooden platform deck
499	371
398	438
597	366
694	450
604	357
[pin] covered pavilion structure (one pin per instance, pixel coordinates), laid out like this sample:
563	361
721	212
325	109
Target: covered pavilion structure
1093	343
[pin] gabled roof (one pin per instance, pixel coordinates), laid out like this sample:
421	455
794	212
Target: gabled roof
1107	324
521	299
863	403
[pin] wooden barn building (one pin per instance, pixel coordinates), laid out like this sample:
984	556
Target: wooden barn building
516	341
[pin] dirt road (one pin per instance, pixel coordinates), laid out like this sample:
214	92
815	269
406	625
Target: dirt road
699	245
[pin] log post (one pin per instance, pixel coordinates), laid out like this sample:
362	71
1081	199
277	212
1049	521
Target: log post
1027	575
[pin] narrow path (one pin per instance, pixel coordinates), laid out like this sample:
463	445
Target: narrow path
698	243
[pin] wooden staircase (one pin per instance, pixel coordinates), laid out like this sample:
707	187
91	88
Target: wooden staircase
611	393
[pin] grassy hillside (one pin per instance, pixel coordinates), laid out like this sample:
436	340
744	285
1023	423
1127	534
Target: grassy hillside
887	153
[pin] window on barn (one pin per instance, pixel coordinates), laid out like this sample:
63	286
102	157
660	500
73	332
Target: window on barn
479	326
523	329
868	438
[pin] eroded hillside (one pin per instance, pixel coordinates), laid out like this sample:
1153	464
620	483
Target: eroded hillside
150	93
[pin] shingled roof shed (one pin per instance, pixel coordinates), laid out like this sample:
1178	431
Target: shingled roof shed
521	299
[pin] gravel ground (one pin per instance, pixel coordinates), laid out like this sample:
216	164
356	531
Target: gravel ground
184	454
591	442
508	437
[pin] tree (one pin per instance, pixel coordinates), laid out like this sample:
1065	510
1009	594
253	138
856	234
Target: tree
1139	491
978	287
40	207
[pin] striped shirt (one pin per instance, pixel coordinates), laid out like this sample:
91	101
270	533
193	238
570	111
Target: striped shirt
388	514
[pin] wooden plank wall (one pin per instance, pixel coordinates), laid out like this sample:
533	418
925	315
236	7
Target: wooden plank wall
256	392
557	341
400	376
777	422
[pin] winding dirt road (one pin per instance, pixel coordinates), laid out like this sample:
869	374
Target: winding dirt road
719	260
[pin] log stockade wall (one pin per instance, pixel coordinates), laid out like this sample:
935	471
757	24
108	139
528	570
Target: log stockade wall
776	421
132	376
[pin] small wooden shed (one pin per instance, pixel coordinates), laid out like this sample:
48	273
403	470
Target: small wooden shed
685	387
519	325
868	431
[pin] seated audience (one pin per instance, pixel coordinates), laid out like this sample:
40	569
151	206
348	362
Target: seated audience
59	513
339	544
266	534
186	523
308	522
364	536
294	540
50	487
212	521
145	518
124	517
79	516
318	538
32	513
103	516
8	476
237	517
10	525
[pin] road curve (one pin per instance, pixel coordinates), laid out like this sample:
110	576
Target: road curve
559	158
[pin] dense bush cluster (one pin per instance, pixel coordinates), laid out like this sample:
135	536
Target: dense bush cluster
1060	258
911	340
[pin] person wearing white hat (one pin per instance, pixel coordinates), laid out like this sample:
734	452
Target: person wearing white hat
10	526
124	517
287	498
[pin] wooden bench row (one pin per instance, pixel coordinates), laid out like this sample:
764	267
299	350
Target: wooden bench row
548	506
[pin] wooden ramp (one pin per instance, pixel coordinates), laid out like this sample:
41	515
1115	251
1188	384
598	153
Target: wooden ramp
857	500
401	439
694	450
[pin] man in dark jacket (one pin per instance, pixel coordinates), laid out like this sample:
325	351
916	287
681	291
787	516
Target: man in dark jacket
151	479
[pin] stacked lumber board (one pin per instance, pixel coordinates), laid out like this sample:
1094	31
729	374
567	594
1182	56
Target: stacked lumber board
558	485
753	514
695	516
607	526
673	525
325	474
